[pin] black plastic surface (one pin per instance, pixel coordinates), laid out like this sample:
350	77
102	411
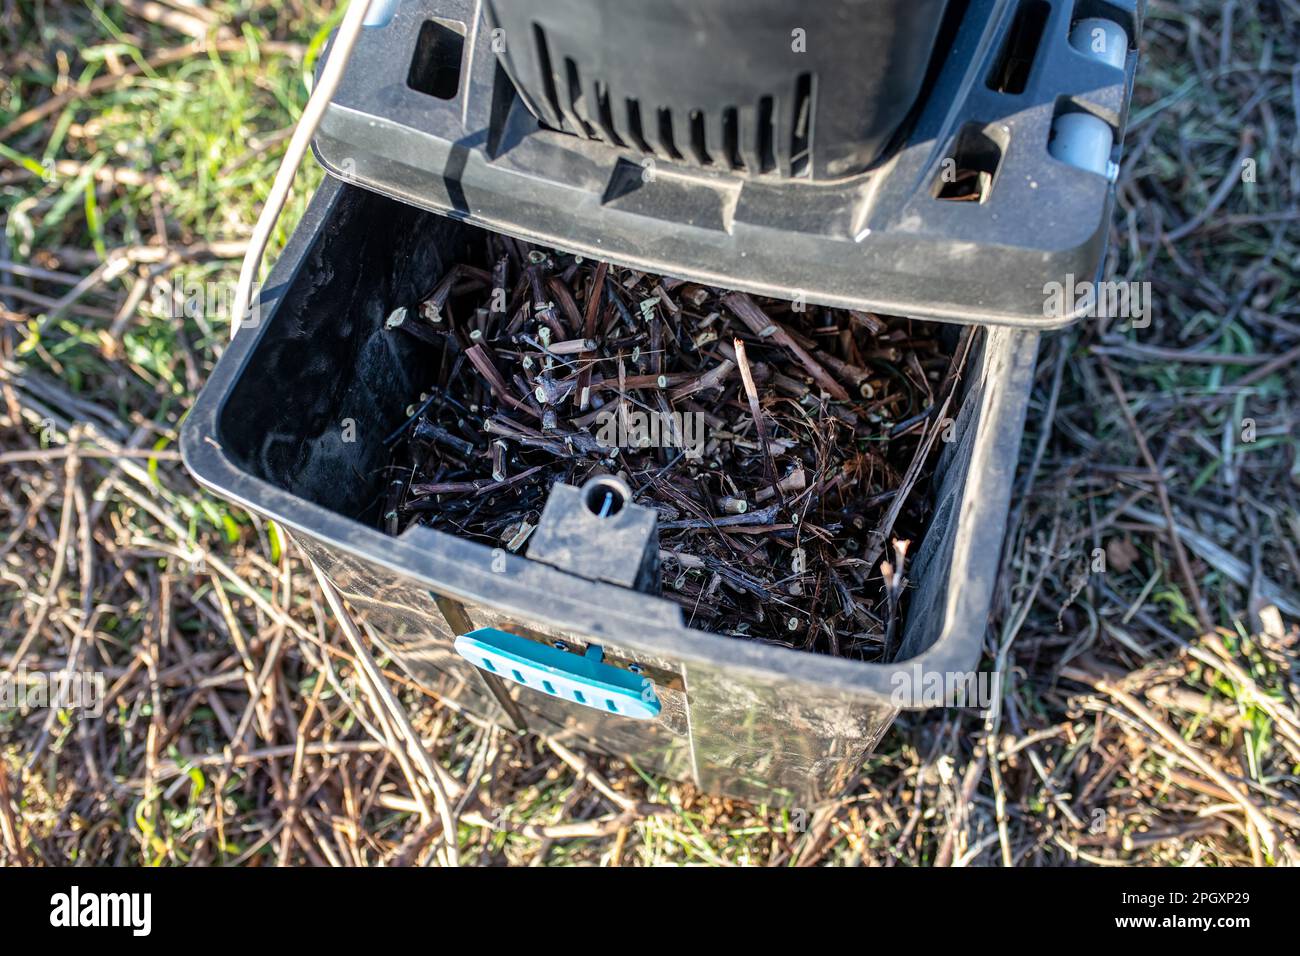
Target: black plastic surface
815	89
893	238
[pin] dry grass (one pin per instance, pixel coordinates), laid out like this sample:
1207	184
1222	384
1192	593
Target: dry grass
1150	711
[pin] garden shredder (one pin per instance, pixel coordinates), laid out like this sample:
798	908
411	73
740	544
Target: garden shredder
942	160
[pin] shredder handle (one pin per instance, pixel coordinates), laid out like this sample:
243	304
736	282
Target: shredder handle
582	680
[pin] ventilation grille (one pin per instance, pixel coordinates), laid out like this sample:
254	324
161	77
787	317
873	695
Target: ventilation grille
775	137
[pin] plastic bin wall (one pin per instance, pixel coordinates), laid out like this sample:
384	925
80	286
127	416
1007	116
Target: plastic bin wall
270	432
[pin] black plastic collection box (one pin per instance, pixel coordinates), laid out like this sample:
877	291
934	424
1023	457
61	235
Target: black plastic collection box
292	425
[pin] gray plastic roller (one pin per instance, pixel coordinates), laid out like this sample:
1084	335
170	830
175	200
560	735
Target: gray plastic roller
1083	140
1103	40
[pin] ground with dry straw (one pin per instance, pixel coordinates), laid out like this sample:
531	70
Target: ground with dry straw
1144	624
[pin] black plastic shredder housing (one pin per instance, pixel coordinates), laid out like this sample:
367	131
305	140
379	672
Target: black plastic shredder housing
897	156
725	82
784	149
292	425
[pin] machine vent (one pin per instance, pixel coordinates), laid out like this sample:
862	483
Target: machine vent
774	136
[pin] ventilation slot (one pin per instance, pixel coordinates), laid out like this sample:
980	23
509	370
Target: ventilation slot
967	174
666	134
576	104
801	136
435	68
766	155
634	127
548	77
605	115
698	145
731	138
1016	62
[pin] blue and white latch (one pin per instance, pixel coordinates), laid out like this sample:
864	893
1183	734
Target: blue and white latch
581	680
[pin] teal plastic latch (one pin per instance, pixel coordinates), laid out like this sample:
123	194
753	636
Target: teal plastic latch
582	680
